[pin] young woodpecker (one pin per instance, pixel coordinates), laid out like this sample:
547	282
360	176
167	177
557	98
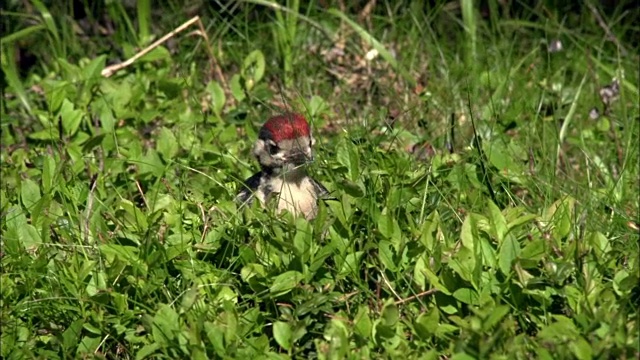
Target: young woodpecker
283	148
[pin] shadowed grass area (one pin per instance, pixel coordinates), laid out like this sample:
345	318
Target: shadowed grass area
485	158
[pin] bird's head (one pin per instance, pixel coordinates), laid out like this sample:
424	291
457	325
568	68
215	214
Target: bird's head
284	143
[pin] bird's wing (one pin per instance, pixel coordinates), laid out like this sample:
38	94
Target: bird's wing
249	187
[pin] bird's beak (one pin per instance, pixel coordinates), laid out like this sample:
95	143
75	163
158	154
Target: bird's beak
300	158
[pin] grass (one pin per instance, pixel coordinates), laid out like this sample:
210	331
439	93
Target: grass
483	212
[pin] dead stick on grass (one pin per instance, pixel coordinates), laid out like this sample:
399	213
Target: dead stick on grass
110	70
424	293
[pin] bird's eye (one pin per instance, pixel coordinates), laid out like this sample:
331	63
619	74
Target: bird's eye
273	148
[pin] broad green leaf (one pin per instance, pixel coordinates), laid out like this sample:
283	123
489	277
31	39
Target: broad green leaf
29	193
88	345
146	351
92	70
71	117
282	334
385	254
427	323
167	144
216	335
534	251
351	264
390	314
127	254
158	53
285	282
521	220
253	68
467	233
354	189
188	299
218	98
498	221
19	232
150	163
165	325
560	215
71	335
236	88
462	356
133	217
581	348
496	316
600	243
362	322
435	281
389	228
463	263
418	273
466	295
302	241
509	251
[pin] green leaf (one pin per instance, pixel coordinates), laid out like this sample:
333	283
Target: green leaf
354	189
600	243
218	98
285	282
463	263
167	144
466	295
385	254
302	241
390	314
282	334
509	251
466	233
158	53
351	263
29	193
427	323
146	351
496	316
165	325
19	231
71	117
253	69
93	70
497	221
362	322
560	215
534	251
150	163
388	226
435	281
236	88
133	217
71	335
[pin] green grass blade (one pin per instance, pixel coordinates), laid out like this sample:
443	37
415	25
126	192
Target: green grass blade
13	79
21	34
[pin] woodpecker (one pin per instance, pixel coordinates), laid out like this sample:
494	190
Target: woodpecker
283	148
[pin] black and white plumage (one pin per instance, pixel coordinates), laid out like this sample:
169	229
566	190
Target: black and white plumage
283	148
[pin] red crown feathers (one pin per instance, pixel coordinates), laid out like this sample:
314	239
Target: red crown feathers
287	126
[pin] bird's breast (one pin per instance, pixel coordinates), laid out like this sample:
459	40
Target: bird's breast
296	197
